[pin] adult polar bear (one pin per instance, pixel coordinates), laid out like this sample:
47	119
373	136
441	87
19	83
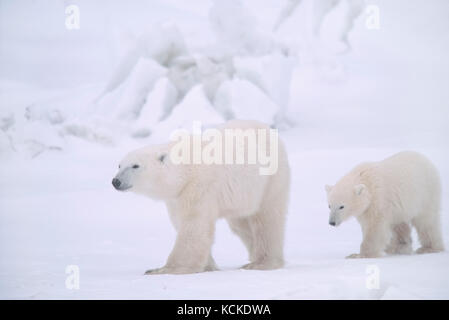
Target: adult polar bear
196	195
387	196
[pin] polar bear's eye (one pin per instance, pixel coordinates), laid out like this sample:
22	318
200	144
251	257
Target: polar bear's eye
135	166
162	157
329	206
341	207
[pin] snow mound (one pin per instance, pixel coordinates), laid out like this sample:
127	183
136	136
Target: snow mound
237	30
137	86
244	100
194	108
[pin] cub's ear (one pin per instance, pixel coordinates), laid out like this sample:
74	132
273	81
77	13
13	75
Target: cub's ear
359	189
328	188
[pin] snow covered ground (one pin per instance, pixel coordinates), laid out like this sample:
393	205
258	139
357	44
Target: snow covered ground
59	150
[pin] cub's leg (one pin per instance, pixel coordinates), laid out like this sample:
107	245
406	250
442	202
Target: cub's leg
375	240
401	240
429	233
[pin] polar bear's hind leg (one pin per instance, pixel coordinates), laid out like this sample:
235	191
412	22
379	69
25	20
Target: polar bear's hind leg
241	227
211	265
267	228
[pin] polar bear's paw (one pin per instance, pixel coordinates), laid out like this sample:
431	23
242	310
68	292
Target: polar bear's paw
365	255
171	270
402	249
210	268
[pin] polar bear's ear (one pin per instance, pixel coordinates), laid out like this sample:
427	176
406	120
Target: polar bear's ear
358	189
328	188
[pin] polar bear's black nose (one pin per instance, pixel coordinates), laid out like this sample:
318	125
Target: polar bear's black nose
332	223
116	183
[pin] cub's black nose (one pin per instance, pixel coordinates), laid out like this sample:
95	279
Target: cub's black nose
332	223
116	183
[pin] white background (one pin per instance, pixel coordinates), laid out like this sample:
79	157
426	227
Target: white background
58	208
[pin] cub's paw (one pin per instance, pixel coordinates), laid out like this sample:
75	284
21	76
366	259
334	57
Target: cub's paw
354	256
263	265
162	270
423	250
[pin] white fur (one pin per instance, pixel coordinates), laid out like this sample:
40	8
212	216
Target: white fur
197	195
387	197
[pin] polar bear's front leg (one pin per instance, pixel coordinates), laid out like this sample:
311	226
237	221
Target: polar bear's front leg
191	253
375	239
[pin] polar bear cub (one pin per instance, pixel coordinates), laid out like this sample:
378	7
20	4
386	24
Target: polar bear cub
197	194
387	197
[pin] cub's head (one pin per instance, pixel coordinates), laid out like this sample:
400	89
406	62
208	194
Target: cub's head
346	200
150	171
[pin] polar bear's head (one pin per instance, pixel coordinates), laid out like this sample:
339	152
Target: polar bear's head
150	171
346	199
